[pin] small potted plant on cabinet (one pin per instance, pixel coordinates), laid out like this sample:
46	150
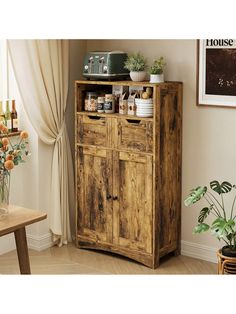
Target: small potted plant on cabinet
156	71
137	65
223	224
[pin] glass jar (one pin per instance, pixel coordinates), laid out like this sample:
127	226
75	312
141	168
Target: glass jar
4	192
101	101
109	105
90	103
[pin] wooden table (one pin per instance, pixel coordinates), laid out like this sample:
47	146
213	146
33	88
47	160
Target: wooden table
15	221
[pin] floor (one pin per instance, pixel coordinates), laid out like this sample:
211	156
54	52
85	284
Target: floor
71	260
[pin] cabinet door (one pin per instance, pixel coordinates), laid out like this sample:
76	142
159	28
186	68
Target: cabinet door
94	192
132	210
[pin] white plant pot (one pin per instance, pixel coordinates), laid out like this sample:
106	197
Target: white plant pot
137	76
156	78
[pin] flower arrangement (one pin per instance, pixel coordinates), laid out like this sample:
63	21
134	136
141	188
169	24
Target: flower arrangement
10	156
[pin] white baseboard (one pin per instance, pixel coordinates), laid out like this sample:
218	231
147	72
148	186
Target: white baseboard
39	243
203	252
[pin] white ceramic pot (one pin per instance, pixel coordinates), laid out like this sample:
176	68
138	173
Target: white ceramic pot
137	76
144	114
140	101
156	78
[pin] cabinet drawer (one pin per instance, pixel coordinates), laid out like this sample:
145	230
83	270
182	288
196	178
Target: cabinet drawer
92	130
135	135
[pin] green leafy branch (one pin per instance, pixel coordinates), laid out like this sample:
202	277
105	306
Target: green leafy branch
222	227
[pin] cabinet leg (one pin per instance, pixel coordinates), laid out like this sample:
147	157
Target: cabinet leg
156	263
177	252
22	251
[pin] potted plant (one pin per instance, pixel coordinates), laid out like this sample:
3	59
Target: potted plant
222	225
156	71
137	65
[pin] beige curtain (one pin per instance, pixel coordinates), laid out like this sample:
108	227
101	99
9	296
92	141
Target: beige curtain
41	69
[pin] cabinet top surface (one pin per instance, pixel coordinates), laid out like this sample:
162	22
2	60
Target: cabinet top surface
123	83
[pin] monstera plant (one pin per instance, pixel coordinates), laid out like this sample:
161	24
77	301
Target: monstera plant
223	223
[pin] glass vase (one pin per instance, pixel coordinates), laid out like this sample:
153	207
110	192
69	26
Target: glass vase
4	192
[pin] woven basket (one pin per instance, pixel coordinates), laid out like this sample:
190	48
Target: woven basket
226	265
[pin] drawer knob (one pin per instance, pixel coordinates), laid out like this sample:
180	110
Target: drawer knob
115	198
108	197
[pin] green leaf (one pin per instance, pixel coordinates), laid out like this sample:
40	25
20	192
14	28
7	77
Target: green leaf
231	223
222	228
195	195
230	236
204	213
202	227
224	187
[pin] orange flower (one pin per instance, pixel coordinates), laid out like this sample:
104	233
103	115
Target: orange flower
5	141
9	164
4	129
9	157
24	134
1	126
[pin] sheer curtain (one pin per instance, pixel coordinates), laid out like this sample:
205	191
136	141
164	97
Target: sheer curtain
41	69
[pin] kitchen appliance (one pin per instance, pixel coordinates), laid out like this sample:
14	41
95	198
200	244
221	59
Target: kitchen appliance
105	65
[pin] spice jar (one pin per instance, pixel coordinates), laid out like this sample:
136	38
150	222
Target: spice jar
90	103
101	101
109	105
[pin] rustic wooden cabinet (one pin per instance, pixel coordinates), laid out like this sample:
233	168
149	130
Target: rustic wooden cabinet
128	175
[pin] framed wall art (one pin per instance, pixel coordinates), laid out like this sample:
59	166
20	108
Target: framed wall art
216	72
